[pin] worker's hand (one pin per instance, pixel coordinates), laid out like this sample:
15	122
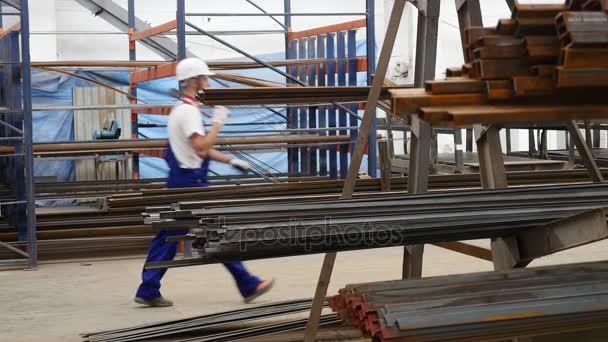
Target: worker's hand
240	165
220	114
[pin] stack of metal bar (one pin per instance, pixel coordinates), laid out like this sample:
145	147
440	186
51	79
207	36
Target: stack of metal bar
480	306
223	233
221	326
547	63
118	228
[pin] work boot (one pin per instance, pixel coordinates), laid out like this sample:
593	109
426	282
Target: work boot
262	288
153	302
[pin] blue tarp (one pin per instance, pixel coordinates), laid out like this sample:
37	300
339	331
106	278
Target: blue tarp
52	89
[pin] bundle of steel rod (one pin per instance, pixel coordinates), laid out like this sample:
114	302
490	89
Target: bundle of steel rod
224	233
88	147
545	64
122	216
278	95
215	327
481	306
212	65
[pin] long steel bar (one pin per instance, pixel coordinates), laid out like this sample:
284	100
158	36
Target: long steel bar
274	14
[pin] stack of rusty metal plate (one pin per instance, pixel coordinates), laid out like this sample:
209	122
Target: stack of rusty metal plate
481	306
547	63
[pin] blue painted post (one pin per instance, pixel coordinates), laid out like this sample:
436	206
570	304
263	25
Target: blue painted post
133	88
341	42
291	52
292	118
303	122
312	111
331	111
322	109
181	29
15	98
370	42
27	132
352	81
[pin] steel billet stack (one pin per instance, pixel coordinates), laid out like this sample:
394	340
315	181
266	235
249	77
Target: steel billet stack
224	233
547	63
479	306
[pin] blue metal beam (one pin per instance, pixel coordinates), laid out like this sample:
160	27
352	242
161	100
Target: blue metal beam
341	43
181	29
331	111
28	138
133	88
322	109
370	43
312	111
303	122
352	81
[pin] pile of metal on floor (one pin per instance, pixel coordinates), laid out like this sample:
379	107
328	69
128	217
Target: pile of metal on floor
223	233
481	306
547	63
233	325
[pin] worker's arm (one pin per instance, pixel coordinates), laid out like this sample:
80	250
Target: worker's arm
216	155
202	144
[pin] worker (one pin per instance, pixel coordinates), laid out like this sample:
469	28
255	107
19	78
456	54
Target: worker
189	152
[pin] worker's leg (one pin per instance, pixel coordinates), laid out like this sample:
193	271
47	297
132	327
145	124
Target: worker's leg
246	282
160	250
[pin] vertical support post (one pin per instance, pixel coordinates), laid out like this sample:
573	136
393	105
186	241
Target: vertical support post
458	153
362	140
370	43
287	22
331	111
292	113
385	166
596	135
341	45
508	140
28	135
133	88
322	109
181	29
312	111
418	172
181	54
302	115
584	152
531	143
421	134
491	162
493	176
352	81
469	15
290	53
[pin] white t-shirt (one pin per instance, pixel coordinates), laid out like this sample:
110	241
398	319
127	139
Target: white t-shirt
184	121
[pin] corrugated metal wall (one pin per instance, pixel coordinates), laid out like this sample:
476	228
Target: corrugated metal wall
86	122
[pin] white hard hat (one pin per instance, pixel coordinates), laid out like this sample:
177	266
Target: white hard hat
190	68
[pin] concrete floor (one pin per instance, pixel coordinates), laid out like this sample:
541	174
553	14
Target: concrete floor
57	302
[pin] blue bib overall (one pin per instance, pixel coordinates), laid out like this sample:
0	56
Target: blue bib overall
161	250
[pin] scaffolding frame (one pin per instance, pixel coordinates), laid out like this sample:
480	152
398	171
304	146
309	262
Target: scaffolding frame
17	131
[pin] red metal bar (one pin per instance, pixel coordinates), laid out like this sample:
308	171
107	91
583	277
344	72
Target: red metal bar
153	31
16	27
350	25
154	111
154	73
